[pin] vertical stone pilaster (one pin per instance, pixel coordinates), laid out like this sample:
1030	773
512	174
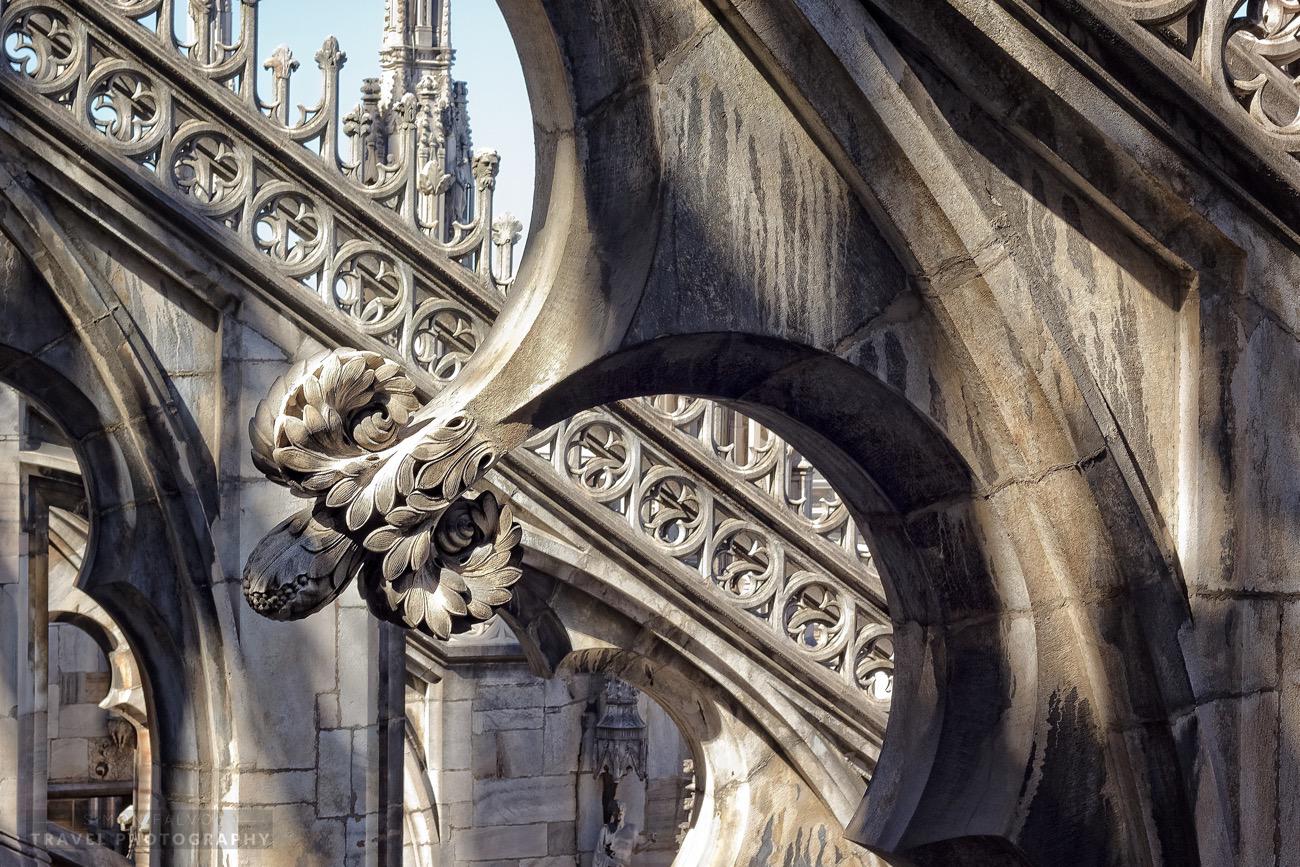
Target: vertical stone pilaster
33	674
360	762
23	639
391	725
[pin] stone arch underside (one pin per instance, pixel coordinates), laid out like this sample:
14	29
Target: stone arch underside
128	692
772	780
63	347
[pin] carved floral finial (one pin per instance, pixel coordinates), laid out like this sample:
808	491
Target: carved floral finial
281	63
392	506
427	87
432	180
507	229
330	56
357	122
408	111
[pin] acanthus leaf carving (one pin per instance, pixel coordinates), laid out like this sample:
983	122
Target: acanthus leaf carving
391	485
300	566
467	565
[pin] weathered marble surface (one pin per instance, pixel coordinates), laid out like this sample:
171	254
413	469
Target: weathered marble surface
1004	274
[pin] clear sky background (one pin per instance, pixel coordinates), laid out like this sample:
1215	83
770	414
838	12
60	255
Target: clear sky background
485	59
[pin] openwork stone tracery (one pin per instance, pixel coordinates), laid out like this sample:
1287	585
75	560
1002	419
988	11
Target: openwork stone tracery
1260	58
1247	50
833	620
192	153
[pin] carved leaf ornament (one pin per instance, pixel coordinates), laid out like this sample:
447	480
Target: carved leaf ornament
392	505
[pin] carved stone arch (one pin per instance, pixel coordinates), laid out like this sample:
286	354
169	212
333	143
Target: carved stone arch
1098	545
419	804
965	655
128	693
971	714
734	720
600	607
748	806
537	627
1052	585
66	343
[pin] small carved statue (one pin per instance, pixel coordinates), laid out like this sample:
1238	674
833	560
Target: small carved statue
617	841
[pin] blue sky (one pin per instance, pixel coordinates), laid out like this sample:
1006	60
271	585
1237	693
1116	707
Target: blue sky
485	58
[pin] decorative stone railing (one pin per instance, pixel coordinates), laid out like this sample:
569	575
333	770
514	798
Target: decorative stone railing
723	498
829	606
1246	53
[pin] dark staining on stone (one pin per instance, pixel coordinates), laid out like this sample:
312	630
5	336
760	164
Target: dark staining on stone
1223	440
938	406
719	146
868	359
1077	247
1127	379
788	251
757	231
812	846
1071	819
895	362
694	115
763	857
1029	771
962	578
756	176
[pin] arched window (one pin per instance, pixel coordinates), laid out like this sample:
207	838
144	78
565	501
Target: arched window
80	754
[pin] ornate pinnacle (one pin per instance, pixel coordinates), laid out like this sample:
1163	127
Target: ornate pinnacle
620	743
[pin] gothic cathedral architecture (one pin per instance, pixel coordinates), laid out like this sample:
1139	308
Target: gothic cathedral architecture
876	456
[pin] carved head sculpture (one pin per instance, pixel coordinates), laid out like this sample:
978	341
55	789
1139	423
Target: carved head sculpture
392	507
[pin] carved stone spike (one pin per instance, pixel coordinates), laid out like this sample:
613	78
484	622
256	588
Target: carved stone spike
330	56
